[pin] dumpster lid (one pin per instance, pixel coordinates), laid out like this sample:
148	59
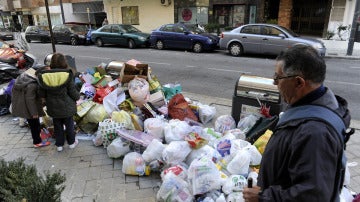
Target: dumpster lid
256	82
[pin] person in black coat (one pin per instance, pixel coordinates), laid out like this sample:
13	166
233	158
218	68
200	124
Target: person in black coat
60	94
302	159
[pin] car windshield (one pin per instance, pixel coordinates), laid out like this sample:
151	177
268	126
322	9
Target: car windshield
130	29
194	29
290	31
77	28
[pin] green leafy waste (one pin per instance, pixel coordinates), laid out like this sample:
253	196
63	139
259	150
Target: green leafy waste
21	182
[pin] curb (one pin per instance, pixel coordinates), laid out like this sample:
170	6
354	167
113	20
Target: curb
204	99
342	57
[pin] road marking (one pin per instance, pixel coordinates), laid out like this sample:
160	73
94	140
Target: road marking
354	67
82	56
157	63
228	70
341	82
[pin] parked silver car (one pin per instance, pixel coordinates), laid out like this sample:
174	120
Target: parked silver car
264	39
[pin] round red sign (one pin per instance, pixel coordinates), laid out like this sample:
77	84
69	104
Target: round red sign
186	14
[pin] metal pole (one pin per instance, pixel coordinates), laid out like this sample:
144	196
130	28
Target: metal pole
88	12
353	28
62	12
50	26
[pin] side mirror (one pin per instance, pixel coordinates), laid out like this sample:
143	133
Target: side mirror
186	32
282	36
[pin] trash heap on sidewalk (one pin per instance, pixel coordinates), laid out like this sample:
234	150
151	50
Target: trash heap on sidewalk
154	128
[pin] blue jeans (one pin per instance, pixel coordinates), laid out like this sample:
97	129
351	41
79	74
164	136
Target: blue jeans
59	131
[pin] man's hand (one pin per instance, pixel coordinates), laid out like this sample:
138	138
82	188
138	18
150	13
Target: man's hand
251	194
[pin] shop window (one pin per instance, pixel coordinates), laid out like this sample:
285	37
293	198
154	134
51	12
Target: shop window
130	15
193	15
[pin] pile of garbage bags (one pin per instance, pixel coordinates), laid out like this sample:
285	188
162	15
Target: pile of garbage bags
154	128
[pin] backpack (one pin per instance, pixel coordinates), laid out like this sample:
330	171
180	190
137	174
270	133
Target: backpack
328	116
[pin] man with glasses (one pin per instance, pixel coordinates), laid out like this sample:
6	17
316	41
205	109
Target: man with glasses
302	160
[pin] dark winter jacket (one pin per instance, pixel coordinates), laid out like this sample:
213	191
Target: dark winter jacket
25	100
302	158
58	89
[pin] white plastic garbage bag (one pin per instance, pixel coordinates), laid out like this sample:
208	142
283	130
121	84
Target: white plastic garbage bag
118	148
139	91
239	165
224	123
155	126
247	122
203	176
176	152
176	130
206	113
174	188
153	151
179	170
234	183
235	196
134	164
205	150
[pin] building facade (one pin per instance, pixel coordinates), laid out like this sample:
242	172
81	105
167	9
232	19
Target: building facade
306	17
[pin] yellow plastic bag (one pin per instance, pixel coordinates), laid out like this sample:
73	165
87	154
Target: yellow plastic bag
96	114
262	141
124	118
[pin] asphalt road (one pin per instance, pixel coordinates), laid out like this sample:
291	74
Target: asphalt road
212	74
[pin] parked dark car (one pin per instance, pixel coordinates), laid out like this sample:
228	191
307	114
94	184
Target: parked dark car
183	36
264	39
6	34
73	34
120	34
37	33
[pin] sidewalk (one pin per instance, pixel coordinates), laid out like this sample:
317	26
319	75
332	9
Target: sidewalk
338	49
92	176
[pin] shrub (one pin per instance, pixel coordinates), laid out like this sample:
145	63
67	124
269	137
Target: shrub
272	21
330	34
212	27
20	182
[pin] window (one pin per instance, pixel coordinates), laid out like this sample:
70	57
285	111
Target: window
167	28
106	28
130	15
271	31
115	29
178	29
251	30
337	13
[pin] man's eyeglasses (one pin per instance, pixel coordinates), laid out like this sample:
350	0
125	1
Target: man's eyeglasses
277	78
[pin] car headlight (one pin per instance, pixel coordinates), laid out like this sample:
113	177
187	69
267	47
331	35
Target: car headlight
317	46
81	36
141	38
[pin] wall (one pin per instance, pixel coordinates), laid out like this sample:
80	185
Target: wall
346	20
151	13
73	17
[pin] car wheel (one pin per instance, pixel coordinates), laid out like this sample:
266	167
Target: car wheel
28	40
197	48
73	41
99	42
131	44
236	49
159	45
